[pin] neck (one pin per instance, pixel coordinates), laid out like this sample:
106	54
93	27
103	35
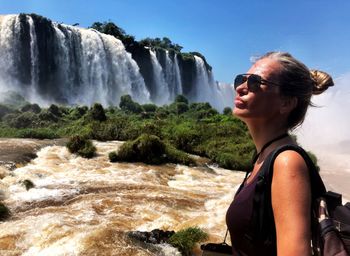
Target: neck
263	133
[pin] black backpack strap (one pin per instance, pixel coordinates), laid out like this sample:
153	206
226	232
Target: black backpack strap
262	229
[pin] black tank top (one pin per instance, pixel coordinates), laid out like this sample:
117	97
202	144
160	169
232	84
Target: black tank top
239	214
238	220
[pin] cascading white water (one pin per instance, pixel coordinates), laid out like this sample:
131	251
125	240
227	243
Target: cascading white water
162	94
219	95
203	90
50	63
85	66
8	44
34	58
172	76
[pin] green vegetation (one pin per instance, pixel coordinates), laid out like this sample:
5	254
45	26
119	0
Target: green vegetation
97	112
4	212
164	43
186	239
149	149
179	127
112	29
82	146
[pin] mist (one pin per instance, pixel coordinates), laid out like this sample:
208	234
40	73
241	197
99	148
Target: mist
326	129
326	133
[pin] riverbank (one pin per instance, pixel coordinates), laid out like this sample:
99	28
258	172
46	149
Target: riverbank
15	152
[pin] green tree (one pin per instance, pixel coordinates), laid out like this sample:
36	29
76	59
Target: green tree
181	98
127	104
227	111
97	112
109	28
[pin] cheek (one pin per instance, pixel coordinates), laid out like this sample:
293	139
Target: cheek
263	106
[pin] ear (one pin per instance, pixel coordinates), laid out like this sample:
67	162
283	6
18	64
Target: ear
288	104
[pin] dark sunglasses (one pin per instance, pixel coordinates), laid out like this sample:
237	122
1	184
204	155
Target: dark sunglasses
253	81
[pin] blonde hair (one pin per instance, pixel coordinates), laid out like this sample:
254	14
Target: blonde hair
296	80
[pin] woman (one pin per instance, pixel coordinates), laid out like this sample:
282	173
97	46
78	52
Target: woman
272	98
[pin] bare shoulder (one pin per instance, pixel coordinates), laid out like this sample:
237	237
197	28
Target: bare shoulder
290	162
290	175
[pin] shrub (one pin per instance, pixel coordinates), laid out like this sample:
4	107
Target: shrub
113	157
151	128
31	107
146	148
181	98
127	104
88	151
78	112
38	133
55	110
28	184
162	113
149	107
24	120
151	150
185	138
202	110
181	107
234	156
131	131
176	156
97	112
186	239
103	131
227	111
46	115
4	212
82	146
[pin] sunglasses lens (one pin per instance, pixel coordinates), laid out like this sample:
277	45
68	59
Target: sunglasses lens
254	82
240	79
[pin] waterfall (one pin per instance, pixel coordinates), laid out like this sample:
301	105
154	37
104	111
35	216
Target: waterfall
33	56
162	94
8	46
57	63
206	89
172	76
202	91
47	63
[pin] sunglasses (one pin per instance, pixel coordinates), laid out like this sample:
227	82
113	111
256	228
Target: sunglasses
253	81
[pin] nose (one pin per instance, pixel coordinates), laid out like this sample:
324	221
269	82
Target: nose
242	89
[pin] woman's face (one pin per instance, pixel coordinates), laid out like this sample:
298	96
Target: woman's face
265	102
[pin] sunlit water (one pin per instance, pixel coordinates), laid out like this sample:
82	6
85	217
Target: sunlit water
85	206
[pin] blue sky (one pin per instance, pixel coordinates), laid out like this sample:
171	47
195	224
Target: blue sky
226	32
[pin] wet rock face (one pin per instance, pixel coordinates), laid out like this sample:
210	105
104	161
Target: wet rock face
156	236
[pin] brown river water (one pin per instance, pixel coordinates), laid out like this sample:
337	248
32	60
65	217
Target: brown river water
86	206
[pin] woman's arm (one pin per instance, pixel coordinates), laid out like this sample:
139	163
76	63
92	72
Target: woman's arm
291	204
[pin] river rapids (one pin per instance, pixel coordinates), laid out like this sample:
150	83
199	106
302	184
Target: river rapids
86	206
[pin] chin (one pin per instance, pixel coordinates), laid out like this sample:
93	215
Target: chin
237	112
241	114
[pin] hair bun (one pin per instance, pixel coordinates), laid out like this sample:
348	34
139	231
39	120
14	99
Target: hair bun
322	81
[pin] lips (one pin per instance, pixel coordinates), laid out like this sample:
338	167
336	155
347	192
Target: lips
239	103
